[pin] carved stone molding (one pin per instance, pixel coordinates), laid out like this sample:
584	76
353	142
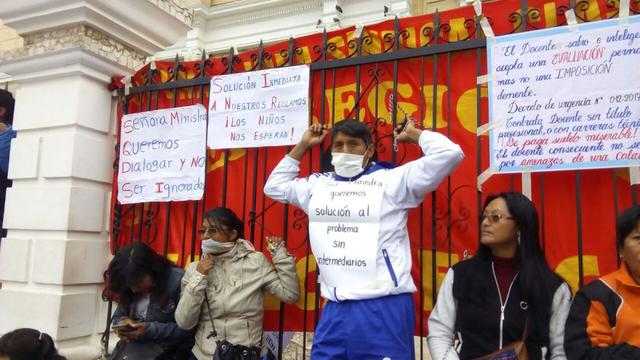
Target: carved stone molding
148	26
78	36
244	23
175	9
229	14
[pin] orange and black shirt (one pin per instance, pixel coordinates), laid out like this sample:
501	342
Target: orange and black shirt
604	320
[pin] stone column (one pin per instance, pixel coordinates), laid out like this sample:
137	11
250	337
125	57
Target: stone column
57	211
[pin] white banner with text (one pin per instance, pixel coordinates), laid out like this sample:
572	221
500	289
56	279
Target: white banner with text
565	98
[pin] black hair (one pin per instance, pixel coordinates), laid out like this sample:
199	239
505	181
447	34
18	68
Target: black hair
28	344
626	222
352	128
537	281
129	266
7	101
223	216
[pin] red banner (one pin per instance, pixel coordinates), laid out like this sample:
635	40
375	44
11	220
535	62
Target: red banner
577	209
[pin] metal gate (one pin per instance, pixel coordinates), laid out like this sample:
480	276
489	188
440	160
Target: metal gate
454	208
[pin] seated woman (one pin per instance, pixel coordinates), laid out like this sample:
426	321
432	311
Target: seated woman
604	321
486	302
147	288
28	344
223	293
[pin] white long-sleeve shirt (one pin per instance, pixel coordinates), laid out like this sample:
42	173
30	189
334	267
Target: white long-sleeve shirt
405	188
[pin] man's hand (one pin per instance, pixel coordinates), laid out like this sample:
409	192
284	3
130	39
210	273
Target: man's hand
314	135
410	134
205	264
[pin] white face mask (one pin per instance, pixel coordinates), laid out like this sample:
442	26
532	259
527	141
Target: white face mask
347	165
211	246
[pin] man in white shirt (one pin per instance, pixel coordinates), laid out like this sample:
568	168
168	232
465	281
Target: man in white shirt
357	226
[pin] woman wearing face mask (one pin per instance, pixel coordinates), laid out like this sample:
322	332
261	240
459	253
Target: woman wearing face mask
146	286
224	291
488	301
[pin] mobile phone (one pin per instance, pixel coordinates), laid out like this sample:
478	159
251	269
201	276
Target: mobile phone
122	327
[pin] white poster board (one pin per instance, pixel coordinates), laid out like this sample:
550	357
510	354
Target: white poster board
565	98
344	226
259	108
162	155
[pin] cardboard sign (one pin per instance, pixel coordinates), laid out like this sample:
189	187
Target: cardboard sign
162	155
258	109
344	224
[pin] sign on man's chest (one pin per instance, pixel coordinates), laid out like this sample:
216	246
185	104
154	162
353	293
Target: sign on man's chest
344	223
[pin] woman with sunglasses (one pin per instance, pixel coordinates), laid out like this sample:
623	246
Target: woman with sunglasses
487	302
222	294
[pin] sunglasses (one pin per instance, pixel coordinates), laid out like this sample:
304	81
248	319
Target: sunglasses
210	230
494	218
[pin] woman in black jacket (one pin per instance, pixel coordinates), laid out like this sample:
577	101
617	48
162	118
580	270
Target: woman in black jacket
486	302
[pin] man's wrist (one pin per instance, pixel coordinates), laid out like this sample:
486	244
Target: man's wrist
415	135
298	151
304	147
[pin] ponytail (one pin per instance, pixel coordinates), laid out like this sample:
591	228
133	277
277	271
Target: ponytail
28	344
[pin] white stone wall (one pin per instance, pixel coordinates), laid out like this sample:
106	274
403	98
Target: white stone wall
57	212
52	260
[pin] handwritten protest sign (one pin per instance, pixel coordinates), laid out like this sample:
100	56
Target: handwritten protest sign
260	108
344	223
566	98
162	155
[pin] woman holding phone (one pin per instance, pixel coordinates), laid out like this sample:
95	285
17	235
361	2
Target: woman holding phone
222	294
147	288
